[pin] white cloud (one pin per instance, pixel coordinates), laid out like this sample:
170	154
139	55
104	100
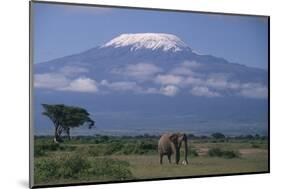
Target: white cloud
253	90
50	81
221	84
192	81
141	71
169	90
121	85
55	81
216	85
214	81
204	91
150	81
221	81
82	85
168	79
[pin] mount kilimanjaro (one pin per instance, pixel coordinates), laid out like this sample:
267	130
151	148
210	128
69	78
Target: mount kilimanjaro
155	82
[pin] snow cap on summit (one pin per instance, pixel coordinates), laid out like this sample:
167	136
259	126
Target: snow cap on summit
148	41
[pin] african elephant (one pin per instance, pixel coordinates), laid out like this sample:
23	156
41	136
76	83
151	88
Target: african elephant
170	144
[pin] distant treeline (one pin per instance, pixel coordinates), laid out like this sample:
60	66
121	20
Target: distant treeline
149	136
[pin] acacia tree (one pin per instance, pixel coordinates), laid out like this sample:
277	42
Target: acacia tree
218	135
66	117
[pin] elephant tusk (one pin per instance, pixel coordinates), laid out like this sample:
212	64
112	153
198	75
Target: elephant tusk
184	162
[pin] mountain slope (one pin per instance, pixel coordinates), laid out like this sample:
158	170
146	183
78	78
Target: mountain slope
160	60
147	67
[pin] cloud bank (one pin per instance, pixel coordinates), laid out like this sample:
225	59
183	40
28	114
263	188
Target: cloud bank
145	78
63	81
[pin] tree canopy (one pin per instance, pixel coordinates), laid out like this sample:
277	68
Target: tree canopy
66	117
218	135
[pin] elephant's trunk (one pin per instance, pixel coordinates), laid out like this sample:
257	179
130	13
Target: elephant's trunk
177	155
185	151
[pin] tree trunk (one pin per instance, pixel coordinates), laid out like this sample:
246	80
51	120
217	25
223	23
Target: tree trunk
57	138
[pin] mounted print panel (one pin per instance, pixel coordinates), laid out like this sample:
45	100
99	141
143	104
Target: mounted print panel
123	94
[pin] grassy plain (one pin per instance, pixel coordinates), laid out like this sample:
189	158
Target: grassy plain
103	158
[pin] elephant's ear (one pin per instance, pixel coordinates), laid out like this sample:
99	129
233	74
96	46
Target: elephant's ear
184	137
173	137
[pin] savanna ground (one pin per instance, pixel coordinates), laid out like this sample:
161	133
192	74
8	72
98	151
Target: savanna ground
103	158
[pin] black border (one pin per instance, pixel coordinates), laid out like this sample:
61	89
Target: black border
147	9
152	179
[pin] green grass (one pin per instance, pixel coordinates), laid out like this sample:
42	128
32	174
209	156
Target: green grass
144	167
102	158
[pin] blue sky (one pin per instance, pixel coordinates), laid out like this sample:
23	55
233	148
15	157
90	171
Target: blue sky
61	30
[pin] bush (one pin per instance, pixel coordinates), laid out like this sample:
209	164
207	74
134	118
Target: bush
89	151
192	152
256	146
113	147
217	152
128	148
76	167
250	137
48	147
191	136
218	136
73	166
40	149
109	168
38	152
45	170
230	154
145	147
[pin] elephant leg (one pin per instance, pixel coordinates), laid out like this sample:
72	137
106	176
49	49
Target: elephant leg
169	158
161	159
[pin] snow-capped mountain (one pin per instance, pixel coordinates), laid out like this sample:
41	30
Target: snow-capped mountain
151	41
152	62
133	75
